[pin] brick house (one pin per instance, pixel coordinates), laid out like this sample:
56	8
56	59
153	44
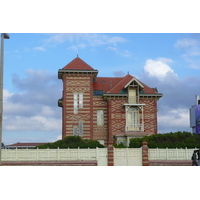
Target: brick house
107	109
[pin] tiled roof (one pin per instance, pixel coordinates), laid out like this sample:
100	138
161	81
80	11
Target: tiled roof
19	144
106	83
78	63
110	85
114	85
120	85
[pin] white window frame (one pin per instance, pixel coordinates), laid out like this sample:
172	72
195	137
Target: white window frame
78	101
132	96
75	131
100	117
80	128
133	120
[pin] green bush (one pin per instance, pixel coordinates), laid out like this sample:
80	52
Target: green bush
72	142
171	140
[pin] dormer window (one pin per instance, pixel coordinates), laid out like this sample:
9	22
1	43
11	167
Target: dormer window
132	95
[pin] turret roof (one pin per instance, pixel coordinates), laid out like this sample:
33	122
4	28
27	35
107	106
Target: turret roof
78	64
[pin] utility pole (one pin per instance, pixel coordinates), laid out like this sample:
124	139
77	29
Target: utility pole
3	36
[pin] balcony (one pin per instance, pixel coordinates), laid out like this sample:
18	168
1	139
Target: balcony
133	100
134	128
60	103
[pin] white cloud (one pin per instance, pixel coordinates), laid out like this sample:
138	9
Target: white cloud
158	68
34	109
186	43
83	40
124	53
40	48
35	123
174	120
191	49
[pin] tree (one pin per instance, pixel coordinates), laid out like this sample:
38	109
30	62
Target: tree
72	142
171	140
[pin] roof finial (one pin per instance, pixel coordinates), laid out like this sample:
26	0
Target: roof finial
77	55
128	72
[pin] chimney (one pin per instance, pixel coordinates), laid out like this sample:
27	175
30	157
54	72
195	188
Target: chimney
110	84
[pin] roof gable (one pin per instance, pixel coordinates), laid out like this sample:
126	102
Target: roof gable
135	82
114	85
120	85
78	64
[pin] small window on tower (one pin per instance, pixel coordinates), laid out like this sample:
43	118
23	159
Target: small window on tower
100	118
78	101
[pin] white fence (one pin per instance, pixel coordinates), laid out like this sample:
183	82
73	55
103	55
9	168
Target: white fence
122	156
170	154
128	157
99	154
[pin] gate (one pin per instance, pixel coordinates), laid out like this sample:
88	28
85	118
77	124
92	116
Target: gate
128	157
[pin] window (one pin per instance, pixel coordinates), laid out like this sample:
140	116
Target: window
78	101
133	119
78	130
75	131
98	92
100	118
132	96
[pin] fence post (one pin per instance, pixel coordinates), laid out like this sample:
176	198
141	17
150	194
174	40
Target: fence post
58	157
110	155
97	154
37	154
145	157
166	153
78	154
127	156
186	153
47	153
16	154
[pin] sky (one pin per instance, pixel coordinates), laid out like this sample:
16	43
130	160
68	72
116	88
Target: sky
168	61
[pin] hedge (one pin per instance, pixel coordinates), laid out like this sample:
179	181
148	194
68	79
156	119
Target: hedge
72	142
171	140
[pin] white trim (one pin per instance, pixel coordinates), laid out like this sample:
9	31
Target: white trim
134	79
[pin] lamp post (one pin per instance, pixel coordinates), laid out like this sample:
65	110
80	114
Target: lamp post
3	36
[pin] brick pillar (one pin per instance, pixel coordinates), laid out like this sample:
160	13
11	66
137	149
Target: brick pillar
145	159
110	155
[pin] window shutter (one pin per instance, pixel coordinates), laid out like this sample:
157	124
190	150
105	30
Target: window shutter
80	100
75	131
75	103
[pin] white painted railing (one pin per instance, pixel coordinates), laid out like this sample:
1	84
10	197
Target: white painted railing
99	154
170	154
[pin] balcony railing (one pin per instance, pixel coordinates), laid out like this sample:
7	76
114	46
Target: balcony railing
134	127
133	100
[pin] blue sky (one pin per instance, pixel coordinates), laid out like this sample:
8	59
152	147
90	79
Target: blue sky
168	61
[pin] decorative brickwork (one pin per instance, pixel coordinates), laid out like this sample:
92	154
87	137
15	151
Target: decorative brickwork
145	159
110	96
110	155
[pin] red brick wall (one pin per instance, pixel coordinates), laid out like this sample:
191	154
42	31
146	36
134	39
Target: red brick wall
114	110
117	116
82	84
150	114
100	132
